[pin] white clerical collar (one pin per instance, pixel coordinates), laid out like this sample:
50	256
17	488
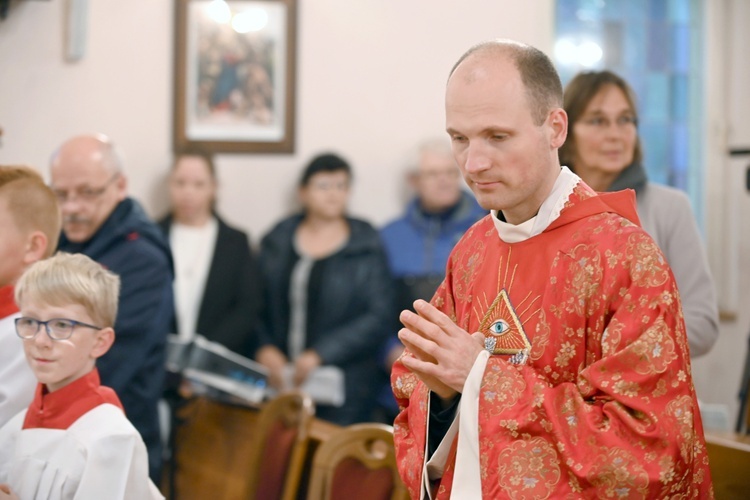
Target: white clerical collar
549	211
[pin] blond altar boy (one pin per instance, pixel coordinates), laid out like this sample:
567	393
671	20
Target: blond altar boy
73	441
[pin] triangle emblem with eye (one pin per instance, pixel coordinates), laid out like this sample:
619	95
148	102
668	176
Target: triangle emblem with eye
502	329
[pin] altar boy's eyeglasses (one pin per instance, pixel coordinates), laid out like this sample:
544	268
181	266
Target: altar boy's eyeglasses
56	328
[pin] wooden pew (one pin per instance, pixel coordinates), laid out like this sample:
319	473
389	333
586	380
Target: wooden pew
211	456
729	459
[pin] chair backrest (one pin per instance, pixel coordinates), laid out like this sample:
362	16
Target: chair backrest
278	453
743	415
359	462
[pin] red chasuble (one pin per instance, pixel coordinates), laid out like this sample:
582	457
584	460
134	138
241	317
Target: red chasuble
587	392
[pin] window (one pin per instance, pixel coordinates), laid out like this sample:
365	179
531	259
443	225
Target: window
656	46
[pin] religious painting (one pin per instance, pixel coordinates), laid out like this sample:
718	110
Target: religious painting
235	75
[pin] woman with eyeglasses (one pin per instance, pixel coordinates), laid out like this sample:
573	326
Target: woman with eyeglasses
604	149
328	296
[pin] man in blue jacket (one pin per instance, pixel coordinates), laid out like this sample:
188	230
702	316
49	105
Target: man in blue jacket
418	243
102	222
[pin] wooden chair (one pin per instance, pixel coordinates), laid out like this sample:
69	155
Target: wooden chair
357	462
279	448
213	444
743	415
729	459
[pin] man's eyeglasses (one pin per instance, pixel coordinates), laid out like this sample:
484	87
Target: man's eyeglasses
56	328
85	194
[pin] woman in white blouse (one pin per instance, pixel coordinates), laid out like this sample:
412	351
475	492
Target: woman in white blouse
215	284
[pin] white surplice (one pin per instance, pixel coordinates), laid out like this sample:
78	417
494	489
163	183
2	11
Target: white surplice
100	456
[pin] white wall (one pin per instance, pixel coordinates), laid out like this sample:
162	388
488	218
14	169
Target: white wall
121	88
717	375
370	85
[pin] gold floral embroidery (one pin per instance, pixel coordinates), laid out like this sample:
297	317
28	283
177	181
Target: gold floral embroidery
680	411
565	354
541	337
500	388
404	385
660	389
667	472
470	262
529	468
612	337
649	269
583	278
626	388
617	474
653	351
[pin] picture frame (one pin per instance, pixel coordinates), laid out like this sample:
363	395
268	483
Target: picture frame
234	76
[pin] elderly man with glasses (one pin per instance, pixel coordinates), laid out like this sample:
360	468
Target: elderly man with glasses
101	221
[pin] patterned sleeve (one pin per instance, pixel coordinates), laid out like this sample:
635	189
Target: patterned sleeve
410	426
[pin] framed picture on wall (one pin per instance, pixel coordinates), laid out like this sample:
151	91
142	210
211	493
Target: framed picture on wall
234	75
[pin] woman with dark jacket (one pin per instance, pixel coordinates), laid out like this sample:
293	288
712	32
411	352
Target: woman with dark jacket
216	280
327	294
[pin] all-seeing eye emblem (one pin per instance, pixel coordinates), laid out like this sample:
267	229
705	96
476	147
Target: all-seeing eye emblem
503	331
499	327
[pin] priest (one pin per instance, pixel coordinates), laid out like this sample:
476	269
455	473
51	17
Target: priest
552	361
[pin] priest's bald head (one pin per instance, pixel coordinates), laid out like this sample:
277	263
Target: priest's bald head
504	115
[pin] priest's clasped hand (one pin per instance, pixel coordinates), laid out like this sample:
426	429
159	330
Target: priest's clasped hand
443	353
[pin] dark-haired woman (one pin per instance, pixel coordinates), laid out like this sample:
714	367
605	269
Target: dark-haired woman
327	292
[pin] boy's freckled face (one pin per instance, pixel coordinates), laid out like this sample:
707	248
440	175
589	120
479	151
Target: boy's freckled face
56	363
